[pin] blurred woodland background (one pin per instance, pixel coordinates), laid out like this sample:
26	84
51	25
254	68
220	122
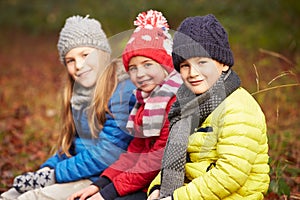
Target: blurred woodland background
264	36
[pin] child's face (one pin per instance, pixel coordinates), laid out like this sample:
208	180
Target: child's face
85	63
199	74
145	73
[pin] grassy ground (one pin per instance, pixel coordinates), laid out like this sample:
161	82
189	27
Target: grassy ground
30	80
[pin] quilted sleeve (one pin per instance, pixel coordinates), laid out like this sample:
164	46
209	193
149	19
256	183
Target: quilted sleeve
240	126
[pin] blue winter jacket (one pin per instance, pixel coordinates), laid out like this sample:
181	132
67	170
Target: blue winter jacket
92	156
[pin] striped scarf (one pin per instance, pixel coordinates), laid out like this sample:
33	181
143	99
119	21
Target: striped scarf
155	105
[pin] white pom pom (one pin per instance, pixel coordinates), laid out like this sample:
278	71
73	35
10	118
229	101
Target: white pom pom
151	19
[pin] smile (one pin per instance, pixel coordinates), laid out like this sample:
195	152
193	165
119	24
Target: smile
83	73
143	82
196	82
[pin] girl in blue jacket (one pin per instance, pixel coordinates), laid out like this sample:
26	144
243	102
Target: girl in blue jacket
83	154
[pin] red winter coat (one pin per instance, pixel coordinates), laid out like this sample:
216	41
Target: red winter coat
136	168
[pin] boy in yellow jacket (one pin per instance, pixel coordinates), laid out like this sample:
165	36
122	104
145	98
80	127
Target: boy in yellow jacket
217	147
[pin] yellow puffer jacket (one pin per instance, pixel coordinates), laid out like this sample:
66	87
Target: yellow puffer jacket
228	153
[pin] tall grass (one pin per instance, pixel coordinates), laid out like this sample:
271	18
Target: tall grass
279	97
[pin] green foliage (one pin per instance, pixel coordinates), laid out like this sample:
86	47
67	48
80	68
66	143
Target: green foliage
269	24
275	82
278	185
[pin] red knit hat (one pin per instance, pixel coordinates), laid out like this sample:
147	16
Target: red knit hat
150	39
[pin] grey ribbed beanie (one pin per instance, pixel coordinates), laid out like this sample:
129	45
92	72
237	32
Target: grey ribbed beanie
81	31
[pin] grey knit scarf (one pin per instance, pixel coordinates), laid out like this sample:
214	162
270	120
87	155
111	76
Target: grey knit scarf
187	114
81	96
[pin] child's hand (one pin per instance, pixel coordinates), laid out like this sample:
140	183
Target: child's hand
154	195
85	193
96	196
33	180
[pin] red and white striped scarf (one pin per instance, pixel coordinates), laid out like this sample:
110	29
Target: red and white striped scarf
155	105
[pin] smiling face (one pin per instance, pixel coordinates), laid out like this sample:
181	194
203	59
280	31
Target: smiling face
146	73
199	74
85	63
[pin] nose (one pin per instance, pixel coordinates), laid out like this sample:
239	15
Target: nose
140	71
79	63
194	71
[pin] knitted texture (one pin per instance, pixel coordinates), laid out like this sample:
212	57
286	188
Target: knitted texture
155	106
150	39
201	36
33	180
186	115
81	32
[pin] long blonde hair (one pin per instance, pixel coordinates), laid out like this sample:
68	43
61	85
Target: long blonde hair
104	89
67	123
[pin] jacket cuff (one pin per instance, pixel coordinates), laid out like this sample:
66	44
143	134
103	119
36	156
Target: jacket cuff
109	192
101	182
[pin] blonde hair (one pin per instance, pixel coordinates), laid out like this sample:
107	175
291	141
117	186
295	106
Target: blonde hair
112	74
104	89
67	123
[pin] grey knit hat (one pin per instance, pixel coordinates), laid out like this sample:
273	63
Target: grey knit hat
201	36
79	32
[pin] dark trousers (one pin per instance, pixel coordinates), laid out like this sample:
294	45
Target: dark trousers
135	196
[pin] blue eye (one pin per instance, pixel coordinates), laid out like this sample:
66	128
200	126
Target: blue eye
69	61
132	69
148	64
